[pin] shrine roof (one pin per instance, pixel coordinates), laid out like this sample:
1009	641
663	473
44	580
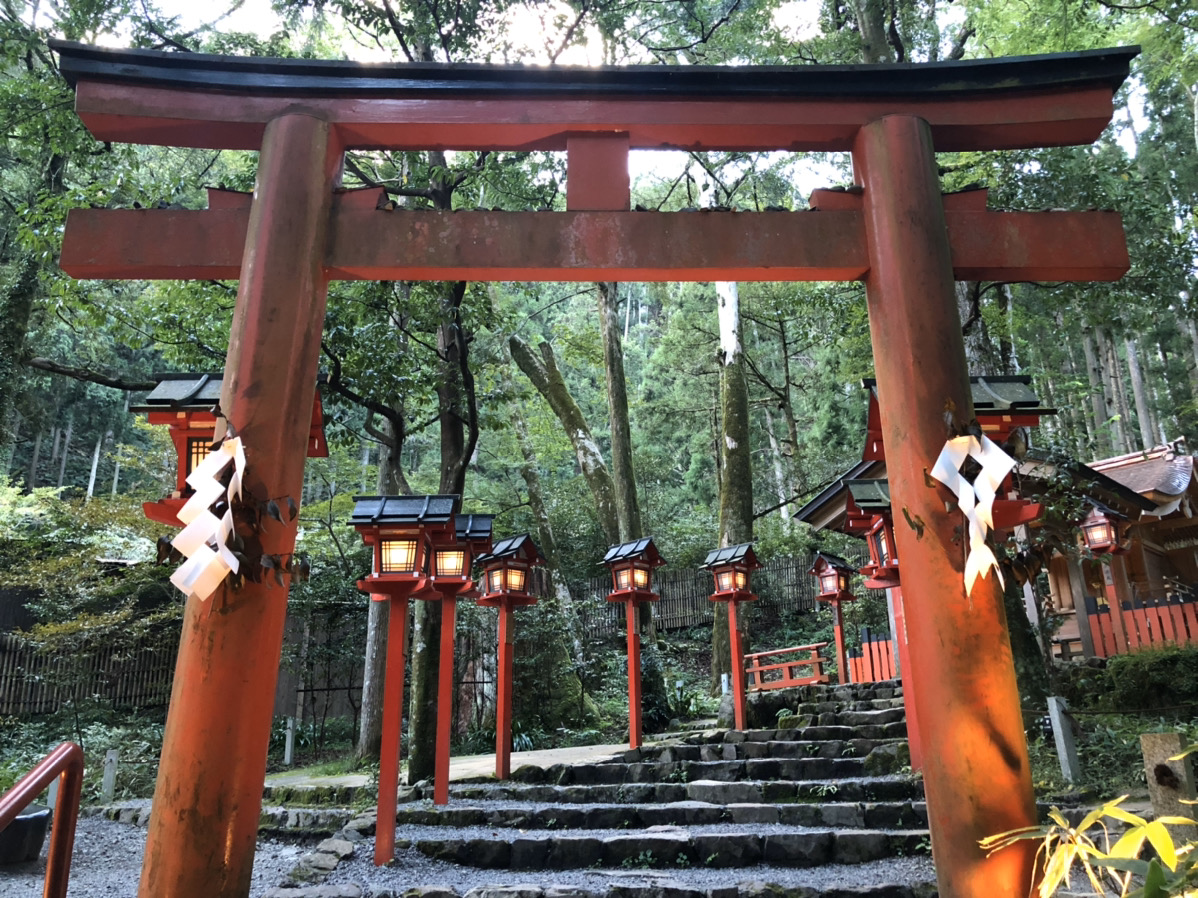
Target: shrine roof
512	547
300	77
870	495
1161	473
994	395
182	391
637	548
403	509
472	527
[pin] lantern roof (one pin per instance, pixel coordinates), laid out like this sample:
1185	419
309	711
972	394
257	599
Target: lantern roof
377	510
473	527
742	555
1106	510
827	559
639	549
520	548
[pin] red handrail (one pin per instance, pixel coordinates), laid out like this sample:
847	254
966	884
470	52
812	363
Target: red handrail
65	761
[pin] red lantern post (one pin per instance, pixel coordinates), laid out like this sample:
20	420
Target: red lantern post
731	567
401	530
632	578
834	575
187	404
505	586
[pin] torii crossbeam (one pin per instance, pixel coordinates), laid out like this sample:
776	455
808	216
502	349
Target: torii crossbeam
895	231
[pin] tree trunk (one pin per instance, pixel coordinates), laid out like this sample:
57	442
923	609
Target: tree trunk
91	480
1140	393
1102	430
31	479
66	445
16	306
736	485
543	373
781	485
1112	377
628	512
872	25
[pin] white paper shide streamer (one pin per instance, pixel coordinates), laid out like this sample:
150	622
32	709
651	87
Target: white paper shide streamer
975	499
204	538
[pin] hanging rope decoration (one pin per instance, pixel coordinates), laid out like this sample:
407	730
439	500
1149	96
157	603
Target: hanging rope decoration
205	538
976	500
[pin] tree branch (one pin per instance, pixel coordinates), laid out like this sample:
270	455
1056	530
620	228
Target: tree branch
89	376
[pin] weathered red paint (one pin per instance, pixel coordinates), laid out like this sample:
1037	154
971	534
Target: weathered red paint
370	244
736	650
449	607
155	115
842	658
634	673
503	702
597	172
977	780
208	795
384	836
908	681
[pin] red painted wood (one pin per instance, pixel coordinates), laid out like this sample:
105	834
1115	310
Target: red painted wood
393	684
900	637
155	115
1135	623
171	244
791	672
738	667
924	397
201	837
842	672
634	673
1189	611
449	607
503	704
597	172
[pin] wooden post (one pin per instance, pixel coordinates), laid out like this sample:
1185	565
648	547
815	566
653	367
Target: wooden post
503	704
202	834
842	660
389	746
445	699
634	674
979	782
738	667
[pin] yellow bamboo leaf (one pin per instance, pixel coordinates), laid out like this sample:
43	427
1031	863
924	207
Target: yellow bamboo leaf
1129	844
1162	841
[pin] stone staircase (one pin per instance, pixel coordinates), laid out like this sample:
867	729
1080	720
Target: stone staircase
821	806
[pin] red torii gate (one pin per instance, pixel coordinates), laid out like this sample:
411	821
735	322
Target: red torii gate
896	232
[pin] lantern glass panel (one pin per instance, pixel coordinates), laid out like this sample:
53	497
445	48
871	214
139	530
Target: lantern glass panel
842	581
623	578
198	449
495	580
1099	534
829	582
398	556
640	576
450	562
515	579
724	580
883	547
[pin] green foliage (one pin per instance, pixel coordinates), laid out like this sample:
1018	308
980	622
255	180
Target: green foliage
1162	680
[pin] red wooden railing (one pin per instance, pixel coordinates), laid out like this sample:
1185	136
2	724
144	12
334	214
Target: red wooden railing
876	661
782	674
66	761
1151	624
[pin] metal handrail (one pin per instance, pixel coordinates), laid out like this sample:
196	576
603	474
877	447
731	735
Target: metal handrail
66	762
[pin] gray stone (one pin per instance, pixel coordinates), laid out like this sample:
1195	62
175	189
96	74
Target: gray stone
520	891
860	847
843	815
728	850
528	854
753	813
339	847
798	849
661	848
735	736
429	892
723	793
573	852
321	860
345	890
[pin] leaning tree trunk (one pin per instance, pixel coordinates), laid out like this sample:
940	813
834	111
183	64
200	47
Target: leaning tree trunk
16	306
543	373
736	484
1140	394
1102	431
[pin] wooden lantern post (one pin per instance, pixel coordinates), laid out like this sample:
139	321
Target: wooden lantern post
632	567
452	557
731	567
834	574
187	404
505	586
401	530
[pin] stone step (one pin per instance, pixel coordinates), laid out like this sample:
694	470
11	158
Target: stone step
850	789
859	815
671	847
734	751
687	771
813	731
873	704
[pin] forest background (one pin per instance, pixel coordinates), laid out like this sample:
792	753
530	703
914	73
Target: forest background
702	414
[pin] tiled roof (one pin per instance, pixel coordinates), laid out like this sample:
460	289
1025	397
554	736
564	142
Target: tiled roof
1161	470
403	509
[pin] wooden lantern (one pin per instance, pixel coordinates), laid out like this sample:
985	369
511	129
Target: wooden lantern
505	583
1100	530
835	578
187	403
632	567
731	568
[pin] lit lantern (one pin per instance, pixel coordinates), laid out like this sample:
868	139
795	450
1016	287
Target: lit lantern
505	583
882	572
401	531
186	403
1100	530
835	576
731	567
632	567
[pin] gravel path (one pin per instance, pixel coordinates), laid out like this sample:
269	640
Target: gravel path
107	864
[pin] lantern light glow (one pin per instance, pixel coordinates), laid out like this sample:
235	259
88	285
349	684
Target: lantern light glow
397	555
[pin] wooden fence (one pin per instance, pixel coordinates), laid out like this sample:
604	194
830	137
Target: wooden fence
874	661
37	682
1151	623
